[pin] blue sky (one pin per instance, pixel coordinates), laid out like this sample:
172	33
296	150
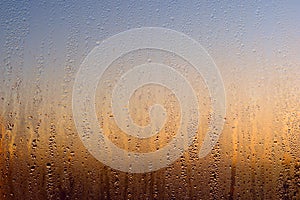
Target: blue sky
52	29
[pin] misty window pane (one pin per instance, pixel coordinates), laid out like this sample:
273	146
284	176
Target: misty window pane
149	100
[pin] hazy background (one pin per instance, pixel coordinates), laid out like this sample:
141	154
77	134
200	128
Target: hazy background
256	46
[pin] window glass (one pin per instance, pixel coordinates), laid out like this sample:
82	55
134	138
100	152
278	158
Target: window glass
149	100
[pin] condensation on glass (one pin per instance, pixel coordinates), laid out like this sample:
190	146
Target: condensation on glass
256	47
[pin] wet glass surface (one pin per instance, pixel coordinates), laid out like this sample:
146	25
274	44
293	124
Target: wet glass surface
255	47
